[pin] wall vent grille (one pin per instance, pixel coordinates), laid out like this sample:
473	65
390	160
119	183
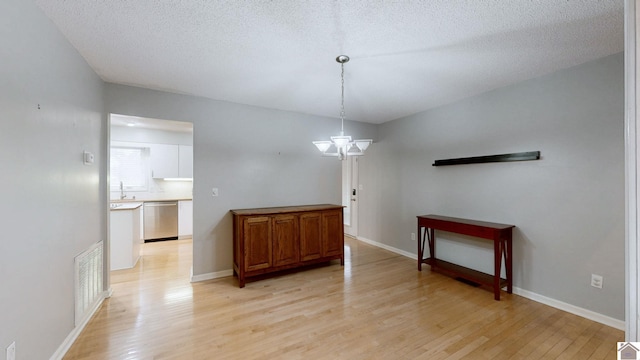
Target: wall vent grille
88	281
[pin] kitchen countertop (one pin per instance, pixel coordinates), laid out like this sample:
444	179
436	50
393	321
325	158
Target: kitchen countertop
124	201
125	206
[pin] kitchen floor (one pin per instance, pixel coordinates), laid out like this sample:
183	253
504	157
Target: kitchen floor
162	263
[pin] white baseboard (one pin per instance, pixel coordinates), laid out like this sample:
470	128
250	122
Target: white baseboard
73	335
588	314
390	248
211	275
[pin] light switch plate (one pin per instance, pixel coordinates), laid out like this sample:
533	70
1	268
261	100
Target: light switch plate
214	192
88	158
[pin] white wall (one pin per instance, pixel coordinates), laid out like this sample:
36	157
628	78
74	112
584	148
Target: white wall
53	207
568	207
256	157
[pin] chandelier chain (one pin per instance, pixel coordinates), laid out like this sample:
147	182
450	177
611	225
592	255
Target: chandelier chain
342	103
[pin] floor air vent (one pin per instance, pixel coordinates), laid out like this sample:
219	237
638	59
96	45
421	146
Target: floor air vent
88	281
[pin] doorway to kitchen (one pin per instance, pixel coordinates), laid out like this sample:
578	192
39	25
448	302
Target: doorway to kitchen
150	192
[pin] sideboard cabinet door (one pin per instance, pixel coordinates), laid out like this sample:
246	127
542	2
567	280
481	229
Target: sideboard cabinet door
257	243
310	236
332	233
285	240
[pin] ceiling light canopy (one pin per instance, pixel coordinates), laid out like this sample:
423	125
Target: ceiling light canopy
342	144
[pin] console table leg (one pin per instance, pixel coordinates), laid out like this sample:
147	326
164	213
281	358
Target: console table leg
508	264
432	243
420	247
497	257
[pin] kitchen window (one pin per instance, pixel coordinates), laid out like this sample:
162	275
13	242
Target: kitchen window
129	165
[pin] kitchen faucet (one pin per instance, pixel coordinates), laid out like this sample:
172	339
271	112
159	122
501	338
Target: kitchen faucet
122	194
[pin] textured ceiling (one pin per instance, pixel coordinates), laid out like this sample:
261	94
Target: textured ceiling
406	56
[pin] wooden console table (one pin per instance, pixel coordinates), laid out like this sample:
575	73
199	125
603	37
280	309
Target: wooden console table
502	249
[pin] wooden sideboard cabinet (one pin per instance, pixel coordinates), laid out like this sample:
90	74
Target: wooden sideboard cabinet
267	240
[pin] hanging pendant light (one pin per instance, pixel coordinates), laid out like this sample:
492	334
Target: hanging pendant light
342	143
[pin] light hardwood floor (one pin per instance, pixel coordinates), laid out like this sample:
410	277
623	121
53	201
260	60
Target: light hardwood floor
377	307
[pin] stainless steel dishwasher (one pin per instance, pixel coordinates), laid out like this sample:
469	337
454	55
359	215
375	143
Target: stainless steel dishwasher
160	220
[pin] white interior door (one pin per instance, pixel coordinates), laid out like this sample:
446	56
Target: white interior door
350	195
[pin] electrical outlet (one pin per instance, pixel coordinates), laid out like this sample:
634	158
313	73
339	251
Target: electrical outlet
11	351
413	236
596	281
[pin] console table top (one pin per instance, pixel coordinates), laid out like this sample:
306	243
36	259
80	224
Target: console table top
467	221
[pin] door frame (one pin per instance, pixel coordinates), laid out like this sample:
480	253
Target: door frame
632	180
350	185
106	255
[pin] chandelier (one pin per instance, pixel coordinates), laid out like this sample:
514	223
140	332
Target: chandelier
342	144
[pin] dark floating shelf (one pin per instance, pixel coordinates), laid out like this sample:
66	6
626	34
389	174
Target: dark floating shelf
522	156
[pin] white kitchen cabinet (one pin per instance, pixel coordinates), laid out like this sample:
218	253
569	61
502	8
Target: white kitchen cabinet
185	163
164	161
124	237
171	161
185	219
